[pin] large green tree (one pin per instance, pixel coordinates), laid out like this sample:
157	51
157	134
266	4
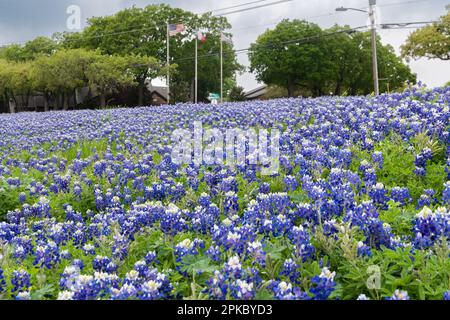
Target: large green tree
142	32
278	58
431	41
304	59
30	50
66	72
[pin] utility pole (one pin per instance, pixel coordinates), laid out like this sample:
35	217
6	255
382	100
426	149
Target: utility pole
371	12
168	64
221	68
196	69
376	85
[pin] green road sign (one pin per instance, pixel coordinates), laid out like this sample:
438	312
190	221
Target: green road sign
214	96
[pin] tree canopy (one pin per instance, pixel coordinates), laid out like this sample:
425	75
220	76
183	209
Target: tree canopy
142	32
431	41
301	57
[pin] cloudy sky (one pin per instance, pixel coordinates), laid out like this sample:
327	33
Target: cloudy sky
22	20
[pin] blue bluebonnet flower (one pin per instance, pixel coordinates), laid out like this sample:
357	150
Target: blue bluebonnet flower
23	295
446	295
20	280
399	295
364	250
377	158
233	268
22	197
47	256
65	295
323	285
378	195
231	205
214	253
103	264
156	287
446	193
290	183
150	258
256	252
216	287
285	291
362	297
2	281
264	187
430	227
401	195
422	158
290	270
301	239
89	249
242	289
187	247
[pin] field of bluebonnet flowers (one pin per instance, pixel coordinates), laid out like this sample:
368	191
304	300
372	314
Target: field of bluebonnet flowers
92	206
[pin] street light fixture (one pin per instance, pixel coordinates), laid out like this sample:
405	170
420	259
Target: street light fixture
342	9
374	41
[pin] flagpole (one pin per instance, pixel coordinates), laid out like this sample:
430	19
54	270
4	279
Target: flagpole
221	68
196	68
168	63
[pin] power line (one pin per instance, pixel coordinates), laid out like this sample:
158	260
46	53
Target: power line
275	45
401	3
238	6
303	40
158	28
252	8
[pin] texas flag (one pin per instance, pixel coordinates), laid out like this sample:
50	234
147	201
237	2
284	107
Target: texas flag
201	36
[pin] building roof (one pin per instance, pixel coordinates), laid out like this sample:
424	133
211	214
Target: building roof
161	91
257	92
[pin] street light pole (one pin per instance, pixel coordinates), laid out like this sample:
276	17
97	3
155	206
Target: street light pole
371	12
376	85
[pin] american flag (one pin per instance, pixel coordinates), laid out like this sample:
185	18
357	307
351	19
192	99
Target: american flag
175	29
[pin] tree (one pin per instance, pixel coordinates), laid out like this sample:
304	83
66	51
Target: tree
148	39
303	59
41	78
67	71
282	57
30	51
5	83
106	74
237	94
143	68
15	82
432	42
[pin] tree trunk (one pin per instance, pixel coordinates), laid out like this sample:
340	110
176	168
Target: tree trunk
141	92
65	101
45	102
290	88
103	100
12	106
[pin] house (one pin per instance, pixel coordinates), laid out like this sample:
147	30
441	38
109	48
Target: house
158	94
257	94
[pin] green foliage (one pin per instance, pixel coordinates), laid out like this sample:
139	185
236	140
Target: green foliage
431	41
333	61
149	39
398	168
237	94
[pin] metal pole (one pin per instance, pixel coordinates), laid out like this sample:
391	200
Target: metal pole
196	68
374	49
168	64
221	69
